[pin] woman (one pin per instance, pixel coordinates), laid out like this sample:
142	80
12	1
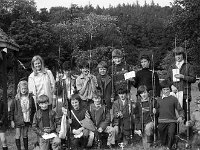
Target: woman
41	81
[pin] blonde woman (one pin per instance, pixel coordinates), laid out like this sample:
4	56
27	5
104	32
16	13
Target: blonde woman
41	81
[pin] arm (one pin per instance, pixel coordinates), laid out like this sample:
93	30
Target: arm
33	109
35	126
52	80
179	108
157	85
12	110
189	76
138	115
81	87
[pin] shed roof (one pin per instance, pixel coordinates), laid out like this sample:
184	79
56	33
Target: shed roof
7	42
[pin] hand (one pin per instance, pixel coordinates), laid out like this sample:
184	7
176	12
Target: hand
112	99
100	130
188	123
180	120
47	130
12	124
138	132
174	89
179	76
70	121
64	110
198	132
132	79
154	111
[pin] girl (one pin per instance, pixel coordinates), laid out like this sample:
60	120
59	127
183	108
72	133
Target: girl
2	123
22	112
41	81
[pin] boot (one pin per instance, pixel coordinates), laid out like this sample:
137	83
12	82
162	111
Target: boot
5	148
18	144
25	143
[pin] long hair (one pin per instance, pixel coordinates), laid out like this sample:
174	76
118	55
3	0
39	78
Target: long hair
22	83
37	57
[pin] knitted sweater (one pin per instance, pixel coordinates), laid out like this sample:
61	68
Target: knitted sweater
166	109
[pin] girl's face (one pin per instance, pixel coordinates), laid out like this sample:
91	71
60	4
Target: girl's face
145	63
144	95
117	60
75	104
102	71
23	90
37	65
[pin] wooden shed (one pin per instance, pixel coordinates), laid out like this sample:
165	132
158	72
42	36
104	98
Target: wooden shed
7	44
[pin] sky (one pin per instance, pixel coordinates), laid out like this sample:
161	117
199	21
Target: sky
102	3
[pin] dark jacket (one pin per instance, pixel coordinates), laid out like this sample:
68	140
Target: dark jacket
144	77
100	117
188	71
126	122
106	89
16	111
143	113
38	124
3	116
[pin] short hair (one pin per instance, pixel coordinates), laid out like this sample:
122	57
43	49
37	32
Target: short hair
122	91
165	84
43	99
76	97
85	64
37	57
97	93
141	89
144	56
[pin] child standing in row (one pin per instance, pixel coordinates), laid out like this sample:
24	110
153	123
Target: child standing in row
22	112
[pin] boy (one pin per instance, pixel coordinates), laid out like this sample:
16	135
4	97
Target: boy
105	84
195	123
117	71
86	84
123	116
144	115
167	120
44	122
100	115
144	76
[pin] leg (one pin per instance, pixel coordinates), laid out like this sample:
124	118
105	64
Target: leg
74	143
17	138
111	137
25	136
44	144
171	134
185	110
149	133
163	131
3	140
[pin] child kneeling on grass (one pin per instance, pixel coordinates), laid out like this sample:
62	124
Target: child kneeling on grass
44	123
22	111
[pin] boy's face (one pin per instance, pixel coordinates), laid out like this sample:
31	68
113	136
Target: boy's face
66	72
178	57
85	71
23	90
198	105
145	63
144	95
166	91
97	100
75	104
122	96
37	65
44	105
102	71
117	60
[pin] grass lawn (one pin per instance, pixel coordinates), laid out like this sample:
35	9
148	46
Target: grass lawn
137	143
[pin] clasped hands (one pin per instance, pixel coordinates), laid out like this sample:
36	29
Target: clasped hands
119	114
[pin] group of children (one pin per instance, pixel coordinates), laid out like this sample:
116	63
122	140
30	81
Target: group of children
106	104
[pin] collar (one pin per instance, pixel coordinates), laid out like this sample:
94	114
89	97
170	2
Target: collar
179	64
163	96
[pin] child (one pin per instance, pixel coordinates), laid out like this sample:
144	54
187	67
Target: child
79	135
45	122
105	84
144	115
2	122
100	115
123	116
86	84
144	76
195	123
167	120
22	111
